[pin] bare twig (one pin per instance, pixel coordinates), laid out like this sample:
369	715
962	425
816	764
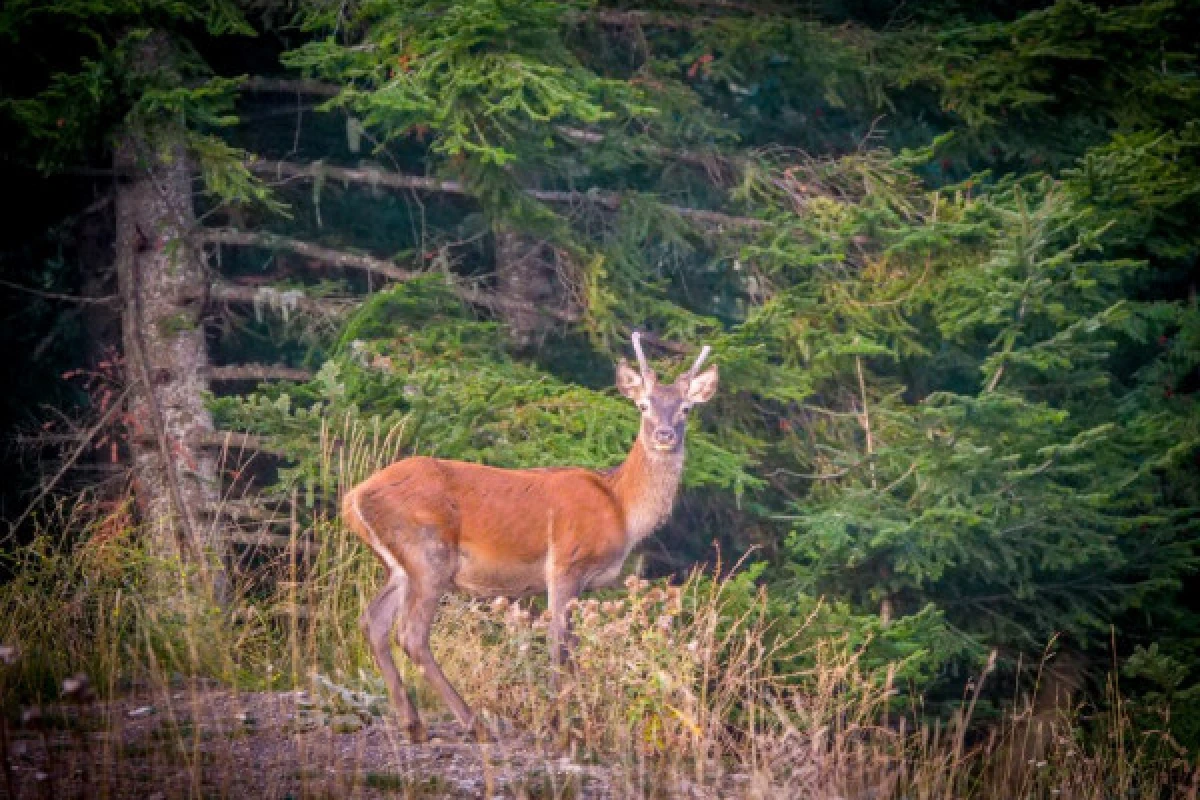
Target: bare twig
84	441
66	298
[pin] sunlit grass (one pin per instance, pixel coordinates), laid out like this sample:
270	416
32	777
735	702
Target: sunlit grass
673	688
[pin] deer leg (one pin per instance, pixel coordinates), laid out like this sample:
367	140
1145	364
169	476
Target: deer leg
562	590
377	623
420	611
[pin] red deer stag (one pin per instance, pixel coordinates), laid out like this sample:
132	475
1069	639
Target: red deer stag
441	525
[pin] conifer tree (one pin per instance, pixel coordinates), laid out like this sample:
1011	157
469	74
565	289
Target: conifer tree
945	262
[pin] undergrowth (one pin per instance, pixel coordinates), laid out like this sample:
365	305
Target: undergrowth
673	687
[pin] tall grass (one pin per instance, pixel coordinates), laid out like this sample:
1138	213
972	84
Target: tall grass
672	688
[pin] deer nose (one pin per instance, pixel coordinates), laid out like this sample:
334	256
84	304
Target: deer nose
664	436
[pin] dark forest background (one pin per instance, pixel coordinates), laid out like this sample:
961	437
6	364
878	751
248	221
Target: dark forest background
945	253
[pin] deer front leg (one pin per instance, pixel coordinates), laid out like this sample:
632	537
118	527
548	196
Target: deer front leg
561	591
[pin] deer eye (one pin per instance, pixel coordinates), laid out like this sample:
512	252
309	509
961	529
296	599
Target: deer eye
643	406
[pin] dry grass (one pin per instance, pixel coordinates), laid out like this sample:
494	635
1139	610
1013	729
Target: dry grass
675	691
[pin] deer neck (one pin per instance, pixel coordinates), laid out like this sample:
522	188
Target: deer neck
645	486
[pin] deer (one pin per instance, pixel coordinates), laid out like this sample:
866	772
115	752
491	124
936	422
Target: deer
440	526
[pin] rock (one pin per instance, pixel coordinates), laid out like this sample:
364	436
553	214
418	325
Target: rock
346	723
303	723
140	712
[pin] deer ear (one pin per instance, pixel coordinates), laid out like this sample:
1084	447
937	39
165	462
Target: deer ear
702	387
629	381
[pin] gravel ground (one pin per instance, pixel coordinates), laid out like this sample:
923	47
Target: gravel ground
210	742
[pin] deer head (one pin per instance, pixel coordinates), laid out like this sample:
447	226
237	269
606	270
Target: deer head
665	407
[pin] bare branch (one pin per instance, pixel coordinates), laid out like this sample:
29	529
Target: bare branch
236	441
84	441
254	295
66	298
270	241
372	176
250	295
291	86
257	372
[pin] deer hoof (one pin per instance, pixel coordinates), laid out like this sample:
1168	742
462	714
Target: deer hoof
481	732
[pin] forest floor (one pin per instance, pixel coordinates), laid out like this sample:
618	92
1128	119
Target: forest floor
206	741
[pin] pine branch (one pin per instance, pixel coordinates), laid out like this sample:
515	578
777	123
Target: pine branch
321	89
678	348
706	161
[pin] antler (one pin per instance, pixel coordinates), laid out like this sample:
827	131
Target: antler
647	373
704	351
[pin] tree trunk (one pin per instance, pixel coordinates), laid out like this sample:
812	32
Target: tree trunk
164	348
526	275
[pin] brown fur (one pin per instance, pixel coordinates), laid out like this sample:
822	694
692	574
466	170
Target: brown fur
440	526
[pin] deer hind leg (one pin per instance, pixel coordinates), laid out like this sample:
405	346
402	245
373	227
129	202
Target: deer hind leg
378	622
420	611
